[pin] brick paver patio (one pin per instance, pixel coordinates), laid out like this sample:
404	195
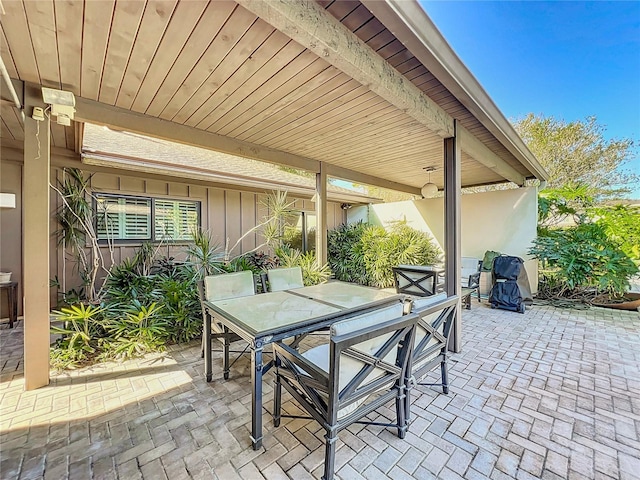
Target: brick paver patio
551	394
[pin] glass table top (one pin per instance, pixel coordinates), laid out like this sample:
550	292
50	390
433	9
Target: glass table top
342	294
269	311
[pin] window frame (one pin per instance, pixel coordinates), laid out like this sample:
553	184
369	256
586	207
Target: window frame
152	218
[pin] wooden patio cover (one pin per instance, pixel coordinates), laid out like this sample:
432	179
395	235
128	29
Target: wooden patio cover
363	90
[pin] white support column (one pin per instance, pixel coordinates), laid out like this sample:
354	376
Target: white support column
321	215
452	240
35	203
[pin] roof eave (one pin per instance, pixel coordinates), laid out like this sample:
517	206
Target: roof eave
411	25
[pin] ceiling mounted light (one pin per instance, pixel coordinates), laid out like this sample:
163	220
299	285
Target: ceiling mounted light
429	189
62	104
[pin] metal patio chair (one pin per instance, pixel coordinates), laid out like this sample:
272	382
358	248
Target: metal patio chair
221	287
363	367
282	279
436	315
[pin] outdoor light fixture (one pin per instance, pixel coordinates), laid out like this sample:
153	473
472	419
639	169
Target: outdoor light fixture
62	104
429	189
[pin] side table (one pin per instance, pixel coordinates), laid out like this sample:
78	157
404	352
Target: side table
12	297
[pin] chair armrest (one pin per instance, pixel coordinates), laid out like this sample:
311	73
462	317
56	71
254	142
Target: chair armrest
289	359
474	280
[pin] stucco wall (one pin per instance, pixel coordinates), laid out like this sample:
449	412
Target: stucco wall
503	220
226	213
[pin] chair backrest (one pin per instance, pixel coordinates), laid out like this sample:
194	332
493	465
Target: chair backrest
415	280
435	322
229	285
285	278
470	268
368	354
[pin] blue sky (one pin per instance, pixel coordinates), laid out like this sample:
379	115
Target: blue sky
565	59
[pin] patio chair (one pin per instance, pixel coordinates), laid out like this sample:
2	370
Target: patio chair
362	368
283	279
470	277
221	287
417	280
436	315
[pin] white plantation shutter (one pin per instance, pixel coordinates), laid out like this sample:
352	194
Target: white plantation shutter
175	220
129	218
124	218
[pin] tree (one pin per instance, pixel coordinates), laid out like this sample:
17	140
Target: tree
576	153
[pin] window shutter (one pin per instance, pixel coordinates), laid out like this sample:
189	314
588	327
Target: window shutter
175	220
123	218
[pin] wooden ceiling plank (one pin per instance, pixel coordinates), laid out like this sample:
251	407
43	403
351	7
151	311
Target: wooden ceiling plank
125	25
331	88
5	132
369	30
12	121
349	131
183	21
357	18
249	54
228	97
300	70
339	94
359	177
288	103
42	26
221	26
155	21
366	109
119	118
95	35
19	41
5	53
333	119
310	25
69	35
342	8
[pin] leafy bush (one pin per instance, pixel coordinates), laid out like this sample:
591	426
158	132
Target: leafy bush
581	258
622	226
312	274
82	327
344	248
401	245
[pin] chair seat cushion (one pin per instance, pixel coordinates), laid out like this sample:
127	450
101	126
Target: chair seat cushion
349	368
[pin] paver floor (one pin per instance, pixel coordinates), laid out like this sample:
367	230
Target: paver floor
551	394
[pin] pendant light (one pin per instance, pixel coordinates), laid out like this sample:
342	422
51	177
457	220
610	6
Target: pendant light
429	189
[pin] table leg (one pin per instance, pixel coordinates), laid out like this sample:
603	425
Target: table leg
207	346
225	354
13	305
256	398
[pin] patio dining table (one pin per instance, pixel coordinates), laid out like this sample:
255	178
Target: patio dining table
270	317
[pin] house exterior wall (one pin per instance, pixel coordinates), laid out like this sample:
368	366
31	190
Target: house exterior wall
225	212
504	221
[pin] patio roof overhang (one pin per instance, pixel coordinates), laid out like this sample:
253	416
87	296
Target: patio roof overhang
361	90
295	83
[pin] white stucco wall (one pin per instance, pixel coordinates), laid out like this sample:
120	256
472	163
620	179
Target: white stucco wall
503	221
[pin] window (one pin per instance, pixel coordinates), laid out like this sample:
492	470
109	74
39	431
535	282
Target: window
301	233
145	219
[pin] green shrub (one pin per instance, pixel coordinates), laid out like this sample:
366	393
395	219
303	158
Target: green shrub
622	226
312	274
401	245
583	258
344	248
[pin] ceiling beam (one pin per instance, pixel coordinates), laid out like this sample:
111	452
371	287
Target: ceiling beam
480	152
413	27
97	113
310	25
356	177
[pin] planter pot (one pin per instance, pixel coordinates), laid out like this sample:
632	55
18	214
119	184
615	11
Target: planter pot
5	277
632	302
